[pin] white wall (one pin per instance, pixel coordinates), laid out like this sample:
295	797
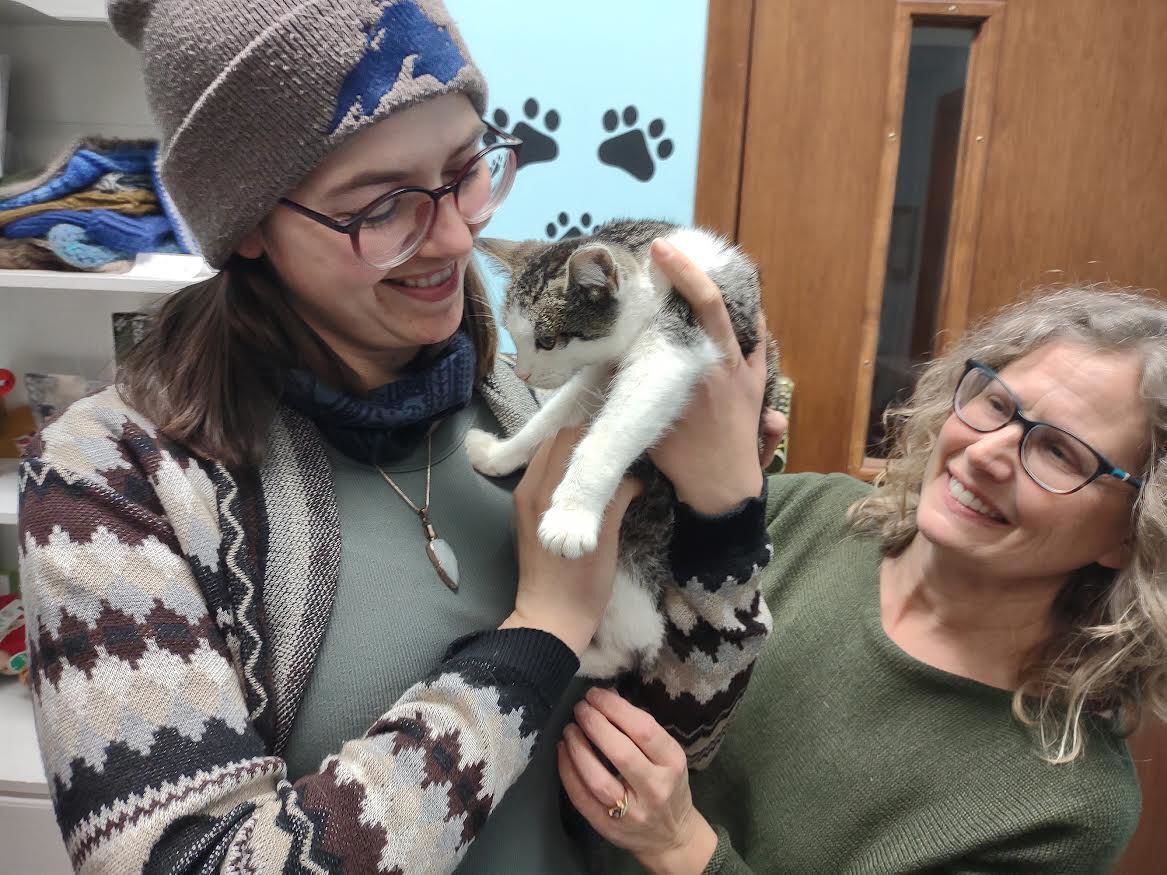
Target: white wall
68	79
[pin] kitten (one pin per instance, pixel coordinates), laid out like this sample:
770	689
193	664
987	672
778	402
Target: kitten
595	319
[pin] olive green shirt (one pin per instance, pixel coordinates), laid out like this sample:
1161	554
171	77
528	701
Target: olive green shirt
847	755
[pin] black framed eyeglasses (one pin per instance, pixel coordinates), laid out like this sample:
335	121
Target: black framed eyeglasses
391	229
1055	459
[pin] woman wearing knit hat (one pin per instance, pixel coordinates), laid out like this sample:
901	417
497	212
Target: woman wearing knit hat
276	621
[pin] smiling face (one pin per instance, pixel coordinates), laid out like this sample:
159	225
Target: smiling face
982	511
376	320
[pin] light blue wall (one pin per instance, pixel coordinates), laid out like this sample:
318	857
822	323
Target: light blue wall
582	60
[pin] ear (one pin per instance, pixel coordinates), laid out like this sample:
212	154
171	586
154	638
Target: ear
251	246
594	268
1120	556
512	255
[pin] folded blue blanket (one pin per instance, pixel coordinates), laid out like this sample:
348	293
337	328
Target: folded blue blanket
89	163
103	227
81	171
72	246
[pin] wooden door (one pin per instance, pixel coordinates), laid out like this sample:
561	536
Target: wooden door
1061	169
1147	853
1061	176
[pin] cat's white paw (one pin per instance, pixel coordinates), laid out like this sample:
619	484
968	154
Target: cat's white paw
488	454
602	663
570	533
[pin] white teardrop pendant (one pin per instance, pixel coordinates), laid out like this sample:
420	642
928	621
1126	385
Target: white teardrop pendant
444	561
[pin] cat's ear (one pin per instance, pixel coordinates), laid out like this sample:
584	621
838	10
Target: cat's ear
594	268
512	255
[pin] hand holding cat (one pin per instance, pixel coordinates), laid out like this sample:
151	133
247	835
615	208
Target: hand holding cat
711	454
660	827
565	597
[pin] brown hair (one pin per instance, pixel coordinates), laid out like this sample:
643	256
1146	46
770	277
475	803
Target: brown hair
209	372
1108	656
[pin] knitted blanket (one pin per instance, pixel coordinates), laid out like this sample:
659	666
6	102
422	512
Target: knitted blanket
118	231
131	203
90	162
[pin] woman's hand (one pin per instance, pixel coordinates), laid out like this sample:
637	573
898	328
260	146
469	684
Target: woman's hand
565	597
660	825
711	455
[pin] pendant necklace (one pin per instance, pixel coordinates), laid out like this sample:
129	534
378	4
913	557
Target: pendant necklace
440	553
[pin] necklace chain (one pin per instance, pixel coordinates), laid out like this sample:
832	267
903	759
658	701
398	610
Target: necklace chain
424	510
440	553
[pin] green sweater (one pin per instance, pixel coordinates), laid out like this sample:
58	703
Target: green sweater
400	623
847	755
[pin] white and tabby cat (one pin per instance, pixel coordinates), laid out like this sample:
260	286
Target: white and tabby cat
593	318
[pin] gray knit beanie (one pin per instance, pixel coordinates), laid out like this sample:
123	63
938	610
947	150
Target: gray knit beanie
251	96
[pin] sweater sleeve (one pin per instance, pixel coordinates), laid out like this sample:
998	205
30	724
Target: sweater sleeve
153	762
716	623
725	859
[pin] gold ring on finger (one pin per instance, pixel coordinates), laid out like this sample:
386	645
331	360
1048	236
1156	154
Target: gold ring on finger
620	808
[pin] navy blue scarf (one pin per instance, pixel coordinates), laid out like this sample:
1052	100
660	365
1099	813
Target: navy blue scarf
388	422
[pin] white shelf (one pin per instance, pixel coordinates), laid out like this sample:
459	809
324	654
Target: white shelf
153	274
66	10
8	493
21	770
65	281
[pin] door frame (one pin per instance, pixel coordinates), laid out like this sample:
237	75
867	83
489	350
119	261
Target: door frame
725	97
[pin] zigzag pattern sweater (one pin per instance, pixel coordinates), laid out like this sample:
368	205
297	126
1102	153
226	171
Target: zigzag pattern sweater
175	612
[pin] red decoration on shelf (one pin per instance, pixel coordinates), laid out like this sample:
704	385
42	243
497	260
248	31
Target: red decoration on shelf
13	649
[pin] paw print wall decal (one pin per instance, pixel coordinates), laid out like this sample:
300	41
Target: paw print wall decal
538	144
633	149
564	229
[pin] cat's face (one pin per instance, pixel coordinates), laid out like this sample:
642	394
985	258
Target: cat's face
566	306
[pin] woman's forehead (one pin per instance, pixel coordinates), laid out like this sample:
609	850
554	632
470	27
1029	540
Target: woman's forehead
1092	393
405	143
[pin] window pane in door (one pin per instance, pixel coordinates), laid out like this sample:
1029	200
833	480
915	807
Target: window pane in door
930	137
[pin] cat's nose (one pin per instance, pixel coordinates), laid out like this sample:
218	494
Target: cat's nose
523	375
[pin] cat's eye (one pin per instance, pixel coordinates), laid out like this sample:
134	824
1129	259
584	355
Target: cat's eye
546	342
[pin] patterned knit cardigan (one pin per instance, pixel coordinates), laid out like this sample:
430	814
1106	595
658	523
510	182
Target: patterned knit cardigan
175	613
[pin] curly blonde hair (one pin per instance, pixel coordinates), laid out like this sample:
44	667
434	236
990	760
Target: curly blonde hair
1108	657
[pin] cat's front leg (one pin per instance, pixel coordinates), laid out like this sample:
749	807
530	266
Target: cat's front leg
646	398
571	405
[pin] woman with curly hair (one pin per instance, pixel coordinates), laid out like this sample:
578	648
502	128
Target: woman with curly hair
959	651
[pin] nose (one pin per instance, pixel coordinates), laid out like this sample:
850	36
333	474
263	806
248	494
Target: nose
994	454
523	374
449	236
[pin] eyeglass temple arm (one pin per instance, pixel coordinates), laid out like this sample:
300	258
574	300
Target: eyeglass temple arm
504	137
342	227
1125	476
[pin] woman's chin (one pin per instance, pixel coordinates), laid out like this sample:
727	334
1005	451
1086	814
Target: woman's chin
427	324
433	332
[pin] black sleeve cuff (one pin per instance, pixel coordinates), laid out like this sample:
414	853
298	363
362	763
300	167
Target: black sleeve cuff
542	660
712	548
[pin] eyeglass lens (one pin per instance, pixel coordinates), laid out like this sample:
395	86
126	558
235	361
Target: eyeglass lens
394	232
1054	458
